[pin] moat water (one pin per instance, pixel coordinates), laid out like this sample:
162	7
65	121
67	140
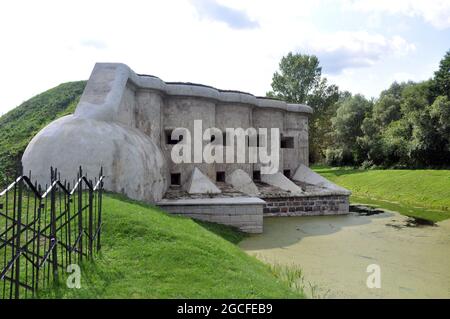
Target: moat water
335	251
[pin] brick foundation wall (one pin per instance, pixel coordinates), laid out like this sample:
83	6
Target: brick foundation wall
306	205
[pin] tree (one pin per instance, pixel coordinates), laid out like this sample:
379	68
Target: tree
386	110
298	77
299	81
426	143
440	113
442	77
387	107
346	128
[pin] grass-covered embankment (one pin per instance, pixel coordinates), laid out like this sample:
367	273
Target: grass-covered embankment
147	253
18	126
417	193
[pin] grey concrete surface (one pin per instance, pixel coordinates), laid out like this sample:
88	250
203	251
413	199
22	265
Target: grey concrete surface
200	184
306	175
281	181
240	180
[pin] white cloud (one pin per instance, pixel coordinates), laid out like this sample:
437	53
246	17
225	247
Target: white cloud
434	12
93	43
215	11
348	50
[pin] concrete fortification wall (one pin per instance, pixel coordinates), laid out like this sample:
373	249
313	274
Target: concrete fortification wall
122	121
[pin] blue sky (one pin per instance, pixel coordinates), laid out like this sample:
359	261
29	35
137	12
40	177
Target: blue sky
363	45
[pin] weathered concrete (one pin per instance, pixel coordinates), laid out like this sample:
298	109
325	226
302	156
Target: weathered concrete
146	108
244	213
306	175
132	163
242	182
200	184
123	122
281	181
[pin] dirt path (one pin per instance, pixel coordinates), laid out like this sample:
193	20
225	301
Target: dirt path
334	252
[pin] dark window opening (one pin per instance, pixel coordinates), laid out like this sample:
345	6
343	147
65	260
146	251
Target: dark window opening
287	173
220	176
287	142
175	179
169	139
256	175
224	139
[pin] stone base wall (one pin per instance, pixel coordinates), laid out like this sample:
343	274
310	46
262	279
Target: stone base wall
247	218
306	205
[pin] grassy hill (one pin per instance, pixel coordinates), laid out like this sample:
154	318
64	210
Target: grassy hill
147	253
420	193
18	126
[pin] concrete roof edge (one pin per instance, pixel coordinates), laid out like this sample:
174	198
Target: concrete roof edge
205	91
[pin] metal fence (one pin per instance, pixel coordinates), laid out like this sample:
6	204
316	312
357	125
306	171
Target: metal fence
43	230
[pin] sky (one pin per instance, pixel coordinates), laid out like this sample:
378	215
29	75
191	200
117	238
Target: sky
363	46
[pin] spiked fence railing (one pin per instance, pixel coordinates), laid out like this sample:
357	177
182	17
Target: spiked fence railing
43	231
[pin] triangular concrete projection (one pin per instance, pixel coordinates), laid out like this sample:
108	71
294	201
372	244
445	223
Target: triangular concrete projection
240	181
281	181
306	175
198	183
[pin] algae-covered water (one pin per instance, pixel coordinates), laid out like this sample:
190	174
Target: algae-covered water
335	251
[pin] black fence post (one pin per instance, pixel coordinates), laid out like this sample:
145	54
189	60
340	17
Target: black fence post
80	214
53	238
68	228
18	222
91	233
100	193
38	244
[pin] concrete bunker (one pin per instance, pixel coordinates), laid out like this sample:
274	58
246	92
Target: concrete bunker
124	122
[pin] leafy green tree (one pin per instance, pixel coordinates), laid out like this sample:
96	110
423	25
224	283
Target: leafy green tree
408	126
347	127
442	77
386	110
394	145
440	113
387	107
427	145
299	80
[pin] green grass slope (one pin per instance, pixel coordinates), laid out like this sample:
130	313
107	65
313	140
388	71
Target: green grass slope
418	193
18	126
147	253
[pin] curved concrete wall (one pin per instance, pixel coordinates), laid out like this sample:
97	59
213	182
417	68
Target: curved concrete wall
132	163
126	116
